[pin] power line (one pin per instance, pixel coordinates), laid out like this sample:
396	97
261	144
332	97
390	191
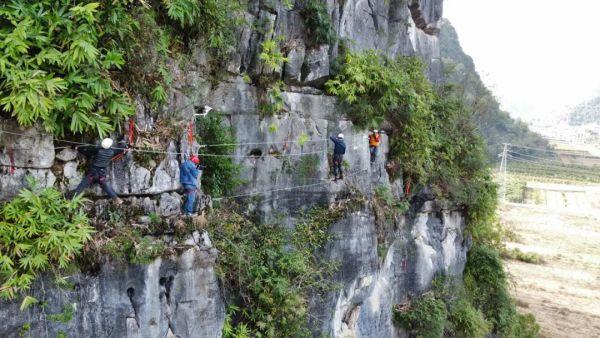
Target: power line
503	165
563	166
582	171
554	151
539	158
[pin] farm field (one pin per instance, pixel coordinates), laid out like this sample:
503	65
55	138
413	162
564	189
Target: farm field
563	292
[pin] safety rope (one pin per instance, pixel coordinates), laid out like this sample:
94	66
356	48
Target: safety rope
287	188
131	130
201	146
130	137
190	134
11	158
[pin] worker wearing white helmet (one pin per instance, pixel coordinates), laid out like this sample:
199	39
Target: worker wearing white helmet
101	159
338	156
107	143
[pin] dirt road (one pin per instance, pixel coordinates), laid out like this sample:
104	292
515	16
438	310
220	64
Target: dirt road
563	292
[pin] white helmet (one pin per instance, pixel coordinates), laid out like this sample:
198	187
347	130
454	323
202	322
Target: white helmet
107	143
340	135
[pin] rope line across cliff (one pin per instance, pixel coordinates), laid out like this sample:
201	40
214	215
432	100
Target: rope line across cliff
201	146
258	193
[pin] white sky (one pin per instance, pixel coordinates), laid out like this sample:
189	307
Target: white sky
537	56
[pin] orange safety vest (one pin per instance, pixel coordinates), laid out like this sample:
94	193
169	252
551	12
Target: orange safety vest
374	140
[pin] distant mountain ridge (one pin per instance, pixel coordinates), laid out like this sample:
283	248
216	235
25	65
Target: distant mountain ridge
584	113
495	125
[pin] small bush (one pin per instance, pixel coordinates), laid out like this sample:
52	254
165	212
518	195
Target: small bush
424	317
319	30
302	139
130	245
515	191
185	12
308	166
39	231
272	55
271	100
390	205
487	285
526	327
466	321
63	317
526	257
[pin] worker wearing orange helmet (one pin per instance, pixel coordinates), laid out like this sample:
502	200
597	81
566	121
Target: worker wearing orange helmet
374	141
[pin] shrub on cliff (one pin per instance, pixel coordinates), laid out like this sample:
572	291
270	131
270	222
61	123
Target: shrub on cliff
466	321
39	231
424	317
317	22
268	271
487	286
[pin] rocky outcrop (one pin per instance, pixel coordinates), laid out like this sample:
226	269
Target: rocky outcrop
374	275
178	297
382	261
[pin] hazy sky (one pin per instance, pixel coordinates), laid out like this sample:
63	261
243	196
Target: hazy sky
537	56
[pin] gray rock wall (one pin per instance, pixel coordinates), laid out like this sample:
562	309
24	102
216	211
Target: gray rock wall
375	276
177	297
180	296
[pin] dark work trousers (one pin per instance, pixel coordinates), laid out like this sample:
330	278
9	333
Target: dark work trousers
190	197
373	153
337	165
96	176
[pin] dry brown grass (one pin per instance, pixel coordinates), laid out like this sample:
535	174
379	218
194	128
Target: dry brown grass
564	292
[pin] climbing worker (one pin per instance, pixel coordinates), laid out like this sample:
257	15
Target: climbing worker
188	176
101	158
338	156
374	140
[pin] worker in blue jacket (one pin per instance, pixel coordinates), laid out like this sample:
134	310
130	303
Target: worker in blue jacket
188	176
339	150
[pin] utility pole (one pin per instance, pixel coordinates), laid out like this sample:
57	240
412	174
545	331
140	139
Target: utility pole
503	165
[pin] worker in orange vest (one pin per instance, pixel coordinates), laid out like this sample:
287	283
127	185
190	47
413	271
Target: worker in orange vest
374	140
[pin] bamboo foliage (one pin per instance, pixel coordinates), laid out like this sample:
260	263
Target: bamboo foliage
39	231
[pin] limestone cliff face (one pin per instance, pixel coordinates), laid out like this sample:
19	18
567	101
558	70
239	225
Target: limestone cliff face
383	260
